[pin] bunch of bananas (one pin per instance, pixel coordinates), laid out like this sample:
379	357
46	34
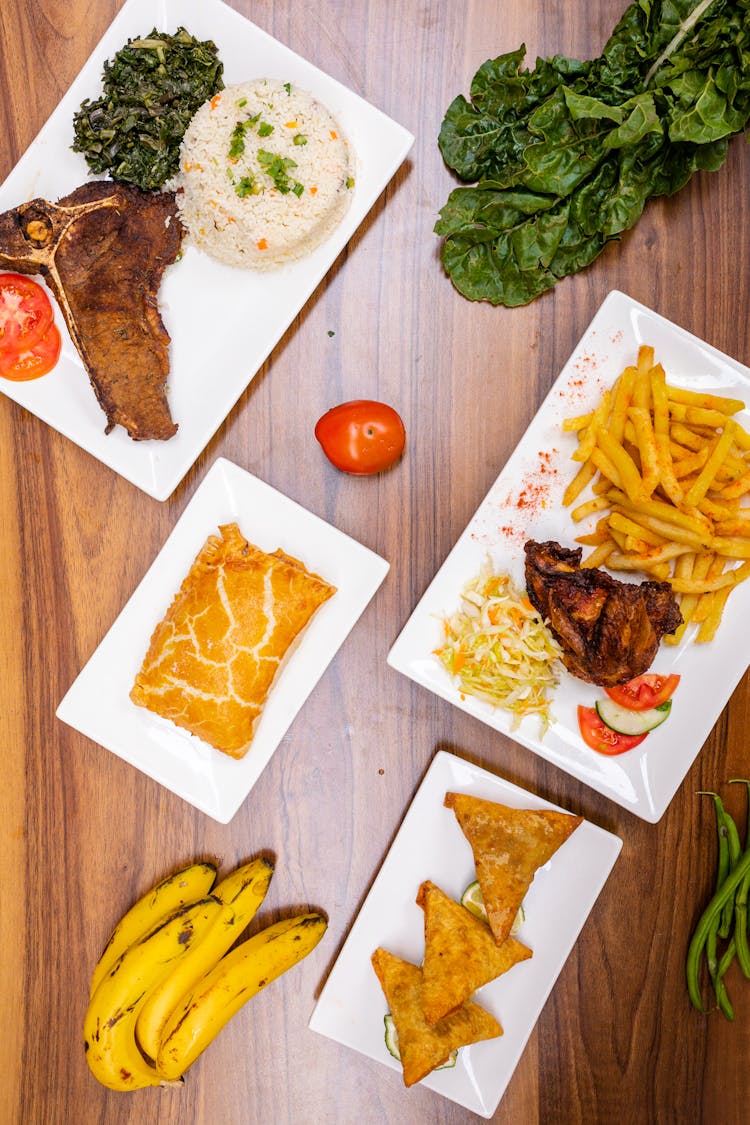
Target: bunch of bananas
166	984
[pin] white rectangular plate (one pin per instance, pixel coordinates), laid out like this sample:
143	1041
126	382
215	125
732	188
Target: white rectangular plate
223	321
98	702
525	502
430	845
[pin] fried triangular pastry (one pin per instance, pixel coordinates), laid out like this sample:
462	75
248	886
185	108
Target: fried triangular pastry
460	953
508	845
421	1047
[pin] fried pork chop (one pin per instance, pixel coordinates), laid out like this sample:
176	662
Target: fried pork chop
609	631
103	250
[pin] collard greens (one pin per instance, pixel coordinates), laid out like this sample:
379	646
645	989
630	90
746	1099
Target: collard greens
151	89
563	158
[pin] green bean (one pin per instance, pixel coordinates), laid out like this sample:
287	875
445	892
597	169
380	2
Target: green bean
722	996
735	851
714	967
740	926
722	872
720	989
707	920
744	781
740	901
723	867
727	958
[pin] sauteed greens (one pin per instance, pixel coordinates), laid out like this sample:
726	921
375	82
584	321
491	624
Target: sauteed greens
152	88
566	155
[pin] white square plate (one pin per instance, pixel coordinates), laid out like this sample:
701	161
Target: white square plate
430	845
98	702
223	321
525	502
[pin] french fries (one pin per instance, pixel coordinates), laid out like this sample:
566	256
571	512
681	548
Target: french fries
668	471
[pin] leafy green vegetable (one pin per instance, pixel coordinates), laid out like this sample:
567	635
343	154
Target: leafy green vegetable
151	89
246	186
278	168
565	157
237	141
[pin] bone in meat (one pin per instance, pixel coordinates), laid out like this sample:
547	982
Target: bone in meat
103	250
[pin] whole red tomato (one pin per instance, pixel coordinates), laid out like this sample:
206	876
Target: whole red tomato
361	437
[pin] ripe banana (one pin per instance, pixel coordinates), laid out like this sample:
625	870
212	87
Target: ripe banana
239	976
180	889
240	894
109	1026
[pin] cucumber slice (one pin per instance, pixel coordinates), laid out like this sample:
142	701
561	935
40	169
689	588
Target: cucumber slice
624	721
391	1042
391	1037
450	1061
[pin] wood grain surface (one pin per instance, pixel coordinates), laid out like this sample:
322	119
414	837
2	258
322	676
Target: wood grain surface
83	833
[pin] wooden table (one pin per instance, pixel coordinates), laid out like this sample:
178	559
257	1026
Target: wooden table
84	834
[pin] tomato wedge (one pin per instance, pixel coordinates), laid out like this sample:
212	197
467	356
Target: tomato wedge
34	362
25	313
644	692
600	737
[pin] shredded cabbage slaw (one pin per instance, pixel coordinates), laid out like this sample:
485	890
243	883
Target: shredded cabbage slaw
498	648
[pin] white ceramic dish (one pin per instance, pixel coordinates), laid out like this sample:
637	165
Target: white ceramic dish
224	322
525	503
98	702
430	845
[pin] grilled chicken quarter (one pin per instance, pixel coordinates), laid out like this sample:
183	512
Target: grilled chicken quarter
609	631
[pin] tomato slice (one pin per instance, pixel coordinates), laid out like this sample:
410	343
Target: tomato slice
644	692
600	737
25	313
361	437
35	362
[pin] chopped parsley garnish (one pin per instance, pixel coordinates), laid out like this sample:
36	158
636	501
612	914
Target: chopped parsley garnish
237	145
246	186
278	168
242	102
288	87
264	129
299	139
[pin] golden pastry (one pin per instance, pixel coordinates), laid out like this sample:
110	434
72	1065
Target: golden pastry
509	845
214	656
